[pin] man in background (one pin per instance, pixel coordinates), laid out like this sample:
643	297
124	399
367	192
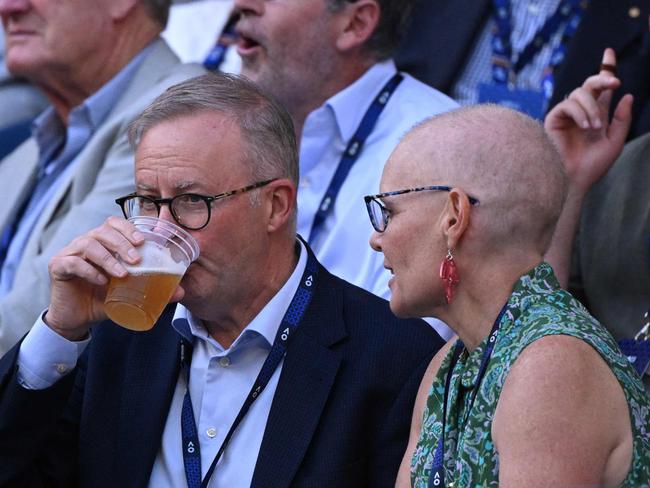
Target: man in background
329	63
99	64
528	53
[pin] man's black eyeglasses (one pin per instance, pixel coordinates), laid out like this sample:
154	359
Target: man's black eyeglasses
190	210
379	214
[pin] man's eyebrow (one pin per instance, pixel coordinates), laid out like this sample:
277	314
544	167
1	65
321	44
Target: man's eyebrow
186	185
181	186
144	187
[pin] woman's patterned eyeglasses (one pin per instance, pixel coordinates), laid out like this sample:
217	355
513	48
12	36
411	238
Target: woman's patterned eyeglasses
379	214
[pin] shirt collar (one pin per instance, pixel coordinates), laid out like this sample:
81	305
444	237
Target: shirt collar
267	321
100	103
49	130
350	104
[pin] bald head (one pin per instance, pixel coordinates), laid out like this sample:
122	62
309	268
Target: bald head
499	156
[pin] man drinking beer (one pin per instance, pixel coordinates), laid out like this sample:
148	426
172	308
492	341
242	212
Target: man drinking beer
270	372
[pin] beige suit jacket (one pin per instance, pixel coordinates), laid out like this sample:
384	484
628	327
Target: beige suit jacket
103	172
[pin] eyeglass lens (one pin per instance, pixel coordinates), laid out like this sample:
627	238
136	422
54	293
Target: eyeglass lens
189	210
377	215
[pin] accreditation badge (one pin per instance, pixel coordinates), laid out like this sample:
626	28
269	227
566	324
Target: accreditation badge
637	350
530	102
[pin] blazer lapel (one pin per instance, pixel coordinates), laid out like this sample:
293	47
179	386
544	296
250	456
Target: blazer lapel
17	173
308	374
155	66
152	372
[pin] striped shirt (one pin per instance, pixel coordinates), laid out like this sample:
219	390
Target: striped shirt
528	16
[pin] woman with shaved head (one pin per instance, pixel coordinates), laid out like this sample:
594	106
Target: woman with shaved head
534	392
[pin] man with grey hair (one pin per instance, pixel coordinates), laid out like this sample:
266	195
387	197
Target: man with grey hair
325	373
329	63
99	64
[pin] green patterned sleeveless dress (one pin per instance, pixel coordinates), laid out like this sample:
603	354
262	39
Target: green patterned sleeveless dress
538	307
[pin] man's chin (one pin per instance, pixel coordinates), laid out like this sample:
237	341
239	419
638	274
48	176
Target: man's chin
399	310
21	64
250	69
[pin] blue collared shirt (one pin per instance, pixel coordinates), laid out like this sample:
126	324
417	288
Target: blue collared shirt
220	379
58	148
342	245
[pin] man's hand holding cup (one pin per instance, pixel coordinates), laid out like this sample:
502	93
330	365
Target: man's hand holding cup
118	270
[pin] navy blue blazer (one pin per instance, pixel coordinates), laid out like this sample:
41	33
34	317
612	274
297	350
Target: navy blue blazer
340	416
443	34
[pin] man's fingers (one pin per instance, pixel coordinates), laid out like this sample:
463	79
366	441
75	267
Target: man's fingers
178	295
100	254
65	268
127	229
119	237
97	254
94	253
621	121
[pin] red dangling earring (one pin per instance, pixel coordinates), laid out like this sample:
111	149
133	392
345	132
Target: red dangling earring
449	274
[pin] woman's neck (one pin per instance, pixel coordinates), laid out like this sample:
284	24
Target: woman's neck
478	301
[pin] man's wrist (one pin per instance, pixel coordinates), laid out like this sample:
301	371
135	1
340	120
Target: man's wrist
72	334
45	356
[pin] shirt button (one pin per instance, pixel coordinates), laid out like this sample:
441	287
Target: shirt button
61	368
224	362
211	432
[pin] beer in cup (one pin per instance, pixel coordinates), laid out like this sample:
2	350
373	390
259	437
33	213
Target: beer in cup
137	300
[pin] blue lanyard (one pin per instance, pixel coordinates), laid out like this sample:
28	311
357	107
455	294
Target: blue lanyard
569	11
290	321
227	38
352	153
437	474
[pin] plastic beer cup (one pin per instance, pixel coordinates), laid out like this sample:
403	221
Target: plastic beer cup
137	300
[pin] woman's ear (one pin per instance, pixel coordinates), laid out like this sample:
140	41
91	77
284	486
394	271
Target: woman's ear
456	216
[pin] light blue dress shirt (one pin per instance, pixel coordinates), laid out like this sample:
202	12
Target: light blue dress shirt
220	379
342	246
58	147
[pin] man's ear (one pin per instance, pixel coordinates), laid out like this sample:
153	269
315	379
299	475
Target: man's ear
358	22
120	9
456	217
280	203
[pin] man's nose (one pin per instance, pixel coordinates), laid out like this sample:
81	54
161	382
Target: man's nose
9	7
248	7
166	214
